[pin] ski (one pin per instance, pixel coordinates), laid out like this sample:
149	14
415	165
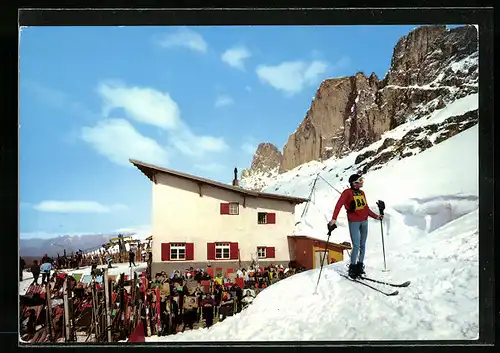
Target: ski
405	284
369	286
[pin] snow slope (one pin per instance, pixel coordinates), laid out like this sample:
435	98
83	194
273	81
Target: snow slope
431	238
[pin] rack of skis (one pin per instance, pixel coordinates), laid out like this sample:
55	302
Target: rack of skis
64	310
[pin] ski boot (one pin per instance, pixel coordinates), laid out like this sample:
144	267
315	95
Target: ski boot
353	271
361	269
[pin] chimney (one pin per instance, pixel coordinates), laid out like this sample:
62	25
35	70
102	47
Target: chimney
235	180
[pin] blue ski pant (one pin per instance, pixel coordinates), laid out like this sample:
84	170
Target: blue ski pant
358	232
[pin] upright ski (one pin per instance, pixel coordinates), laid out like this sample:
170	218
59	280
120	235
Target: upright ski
369	286
405	284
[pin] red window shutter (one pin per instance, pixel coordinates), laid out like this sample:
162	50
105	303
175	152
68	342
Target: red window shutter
224	208
210	251
271	218
165	251
189	251
270	252
233	251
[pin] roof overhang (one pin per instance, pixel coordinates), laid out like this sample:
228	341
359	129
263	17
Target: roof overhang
150	170
346	247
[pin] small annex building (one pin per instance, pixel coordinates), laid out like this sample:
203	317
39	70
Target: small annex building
198	221
307	252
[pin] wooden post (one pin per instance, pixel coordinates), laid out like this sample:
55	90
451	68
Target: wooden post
95	308
133	289
107	304
122	307
67	325
49	310
71	295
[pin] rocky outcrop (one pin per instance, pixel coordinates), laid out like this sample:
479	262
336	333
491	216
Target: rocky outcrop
415	141
266	158
265	165
430	67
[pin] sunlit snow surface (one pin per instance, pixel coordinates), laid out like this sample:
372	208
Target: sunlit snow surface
431	238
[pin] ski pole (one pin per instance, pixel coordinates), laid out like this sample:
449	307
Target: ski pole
330	229
381	207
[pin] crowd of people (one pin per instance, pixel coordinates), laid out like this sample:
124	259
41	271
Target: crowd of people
76	260
164	303
196	298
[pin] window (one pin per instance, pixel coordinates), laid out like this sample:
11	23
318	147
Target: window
234	208
230	208
177	251
266	252
222	251
261	252
266	218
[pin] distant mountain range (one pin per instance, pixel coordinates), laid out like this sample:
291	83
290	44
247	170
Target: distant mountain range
53	246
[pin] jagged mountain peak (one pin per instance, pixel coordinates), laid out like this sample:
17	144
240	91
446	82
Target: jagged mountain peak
431	68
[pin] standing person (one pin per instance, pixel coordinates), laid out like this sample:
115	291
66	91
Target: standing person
35	270
45	269
207	308
22	263
131	256
45	259
354	201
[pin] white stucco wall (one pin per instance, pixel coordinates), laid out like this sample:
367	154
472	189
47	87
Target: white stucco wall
180	214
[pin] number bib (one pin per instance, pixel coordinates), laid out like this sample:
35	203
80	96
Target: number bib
359	201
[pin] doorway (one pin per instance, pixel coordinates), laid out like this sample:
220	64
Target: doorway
318	255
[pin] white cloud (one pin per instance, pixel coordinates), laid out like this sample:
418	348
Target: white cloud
196	146
292	77
184	37
235	57
77	207
210	143
140	232
223	100
149	106
142	104
118	140
210	167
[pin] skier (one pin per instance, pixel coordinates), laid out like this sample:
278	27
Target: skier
354	201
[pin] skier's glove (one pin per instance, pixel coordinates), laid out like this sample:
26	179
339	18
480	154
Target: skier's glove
381	206
331	226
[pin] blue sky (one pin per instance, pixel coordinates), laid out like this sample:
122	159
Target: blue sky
195	99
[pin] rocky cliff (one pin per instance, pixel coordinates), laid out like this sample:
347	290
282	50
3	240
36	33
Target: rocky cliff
430	68
265	164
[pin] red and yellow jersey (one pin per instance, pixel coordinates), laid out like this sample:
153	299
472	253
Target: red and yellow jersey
355	204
